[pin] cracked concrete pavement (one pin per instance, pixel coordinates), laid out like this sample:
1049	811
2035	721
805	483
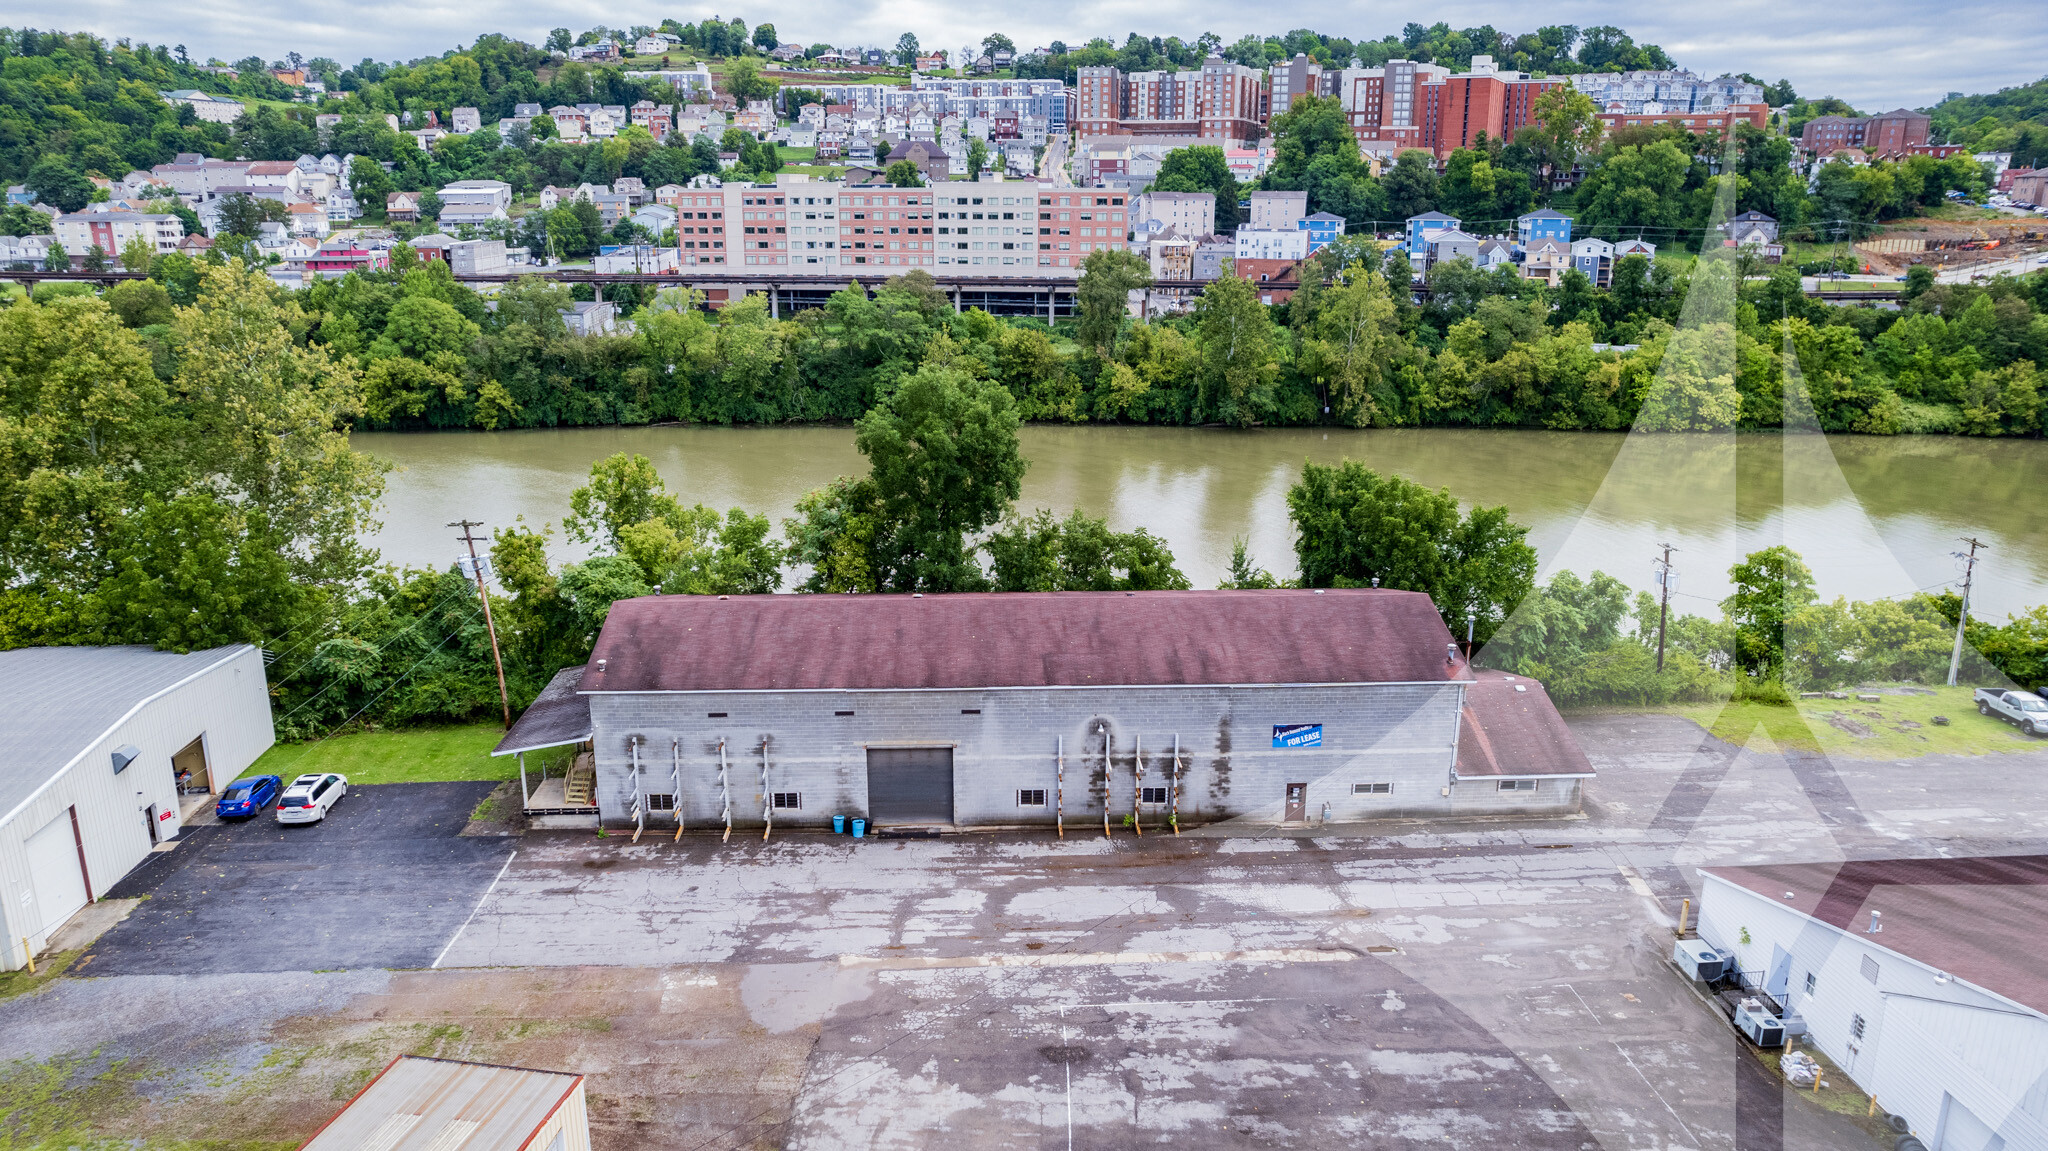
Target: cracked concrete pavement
1393	985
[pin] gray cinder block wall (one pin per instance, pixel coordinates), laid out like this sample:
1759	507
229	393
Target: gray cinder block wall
1007	740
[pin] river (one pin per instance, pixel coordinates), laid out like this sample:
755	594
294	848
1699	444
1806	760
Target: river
1873	516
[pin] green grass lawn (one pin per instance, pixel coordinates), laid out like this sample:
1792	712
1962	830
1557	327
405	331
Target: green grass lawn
411	755
795	155
1896	727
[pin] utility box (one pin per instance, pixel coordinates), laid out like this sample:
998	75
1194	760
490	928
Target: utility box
1698	959
1763	1028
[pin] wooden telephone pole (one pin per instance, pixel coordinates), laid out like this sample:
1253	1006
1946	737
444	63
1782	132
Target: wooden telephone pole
476	568
1663	601
1955	659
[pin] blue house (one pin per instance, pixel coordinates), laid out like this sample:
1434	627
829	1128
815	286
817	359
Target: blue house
1420	228
1323	228
1543	224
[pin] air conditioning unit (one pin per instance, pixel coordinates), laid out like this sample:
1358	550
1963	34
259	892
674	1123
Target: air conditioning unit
1698	959
1762	1027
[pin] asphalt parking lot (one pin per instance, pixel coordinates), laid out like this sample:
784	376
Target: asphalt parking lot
1440	984
384	881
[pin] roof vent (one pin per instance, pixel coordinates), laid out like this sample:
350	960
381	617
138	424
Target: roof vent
917	595
1450	653
721	597
1319	591
1375	581
124	755
600	665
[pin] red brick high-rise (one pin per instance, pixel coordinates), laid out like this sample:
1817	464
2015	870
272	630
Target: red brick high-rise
1405	104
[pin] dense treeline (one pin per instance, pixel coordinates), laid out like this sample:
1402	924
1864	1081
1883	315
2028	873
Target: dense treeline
1488	349
189	482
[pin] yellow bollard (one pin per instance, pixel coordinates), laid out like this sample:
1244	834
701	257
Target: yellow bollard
26	950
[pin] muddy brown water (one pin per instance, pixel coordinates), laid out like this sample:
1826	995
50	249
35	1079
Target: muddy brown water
1873	516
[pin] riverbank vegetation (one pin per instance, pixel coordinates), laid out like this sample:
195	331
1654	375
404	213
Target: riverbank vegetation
1488	349
189	482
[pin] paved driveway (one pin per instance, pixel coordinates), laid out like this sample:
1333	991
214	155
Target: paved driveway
383	882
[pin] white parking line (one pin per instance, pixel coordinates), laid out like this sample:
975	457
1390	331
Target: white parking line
477	908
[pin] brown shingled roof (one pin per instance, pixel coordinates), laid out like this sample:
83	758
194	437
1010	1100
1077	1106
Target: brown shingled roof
1087	639
1509	733
558	715
1979	919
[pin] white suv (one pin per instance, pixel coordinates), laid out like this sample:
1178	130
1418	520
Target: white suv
309	797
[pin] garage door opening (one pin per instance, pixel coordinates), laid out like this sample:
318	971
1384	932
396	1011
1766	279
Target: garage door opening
189	765
910	785
56	874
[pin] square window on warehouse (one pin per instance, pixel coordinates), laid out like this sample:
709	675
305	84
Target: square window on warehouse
660	801
787	801
1372	788
1152	795
1031	797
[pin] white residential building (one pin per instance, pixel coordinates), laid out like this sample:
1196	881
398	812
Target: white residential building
212	109
1918	978
1271	244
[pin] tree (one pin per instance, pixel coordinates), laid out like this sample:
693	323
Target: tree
1771	586
1569	122
942	454
623	490
764	37
1354	527
55	182
560	40
137	254
1237	352
977	157
1202	169
1108	277
904	174
743	80
56	259
140	303
906	49
1410	185
1079	553
996	42
95	259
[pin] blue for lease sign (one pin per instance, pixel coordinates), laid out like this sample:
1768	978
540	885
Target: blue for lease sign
1297	735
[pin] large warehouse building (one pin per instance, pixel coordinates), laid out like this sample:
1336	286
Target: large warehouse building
109	750
1073	708
1921	979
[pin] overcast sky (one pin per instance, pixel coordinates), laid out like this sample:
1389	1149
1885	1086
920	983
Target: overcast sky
1878	54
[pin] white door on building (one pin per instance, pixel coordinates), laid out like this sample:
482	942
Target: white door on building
1961	1130
54	874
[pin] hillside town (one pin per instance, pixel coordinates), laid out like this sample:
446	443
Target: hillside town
673	586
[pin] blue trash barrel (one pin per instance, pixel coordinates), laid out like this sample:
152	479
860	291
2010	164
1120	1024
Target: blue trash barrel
860	828
839	825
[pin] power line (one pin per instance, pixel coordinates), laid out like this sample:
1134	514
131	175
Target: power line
1955	659
476	568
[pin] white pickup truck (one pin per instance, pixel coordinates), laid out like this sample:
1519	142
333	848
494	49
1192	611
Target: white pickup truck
2024	708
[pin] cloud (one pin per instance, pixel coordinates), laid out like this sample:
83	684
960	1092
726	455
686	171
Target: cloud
1878	55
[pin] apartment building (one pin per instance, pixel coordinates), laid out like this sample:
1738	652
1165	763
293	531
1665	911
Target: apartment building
110	232
1890	133
1301	76
1221	102
1637	93
1405	104
1188	213
941	97
1698	123
1277	211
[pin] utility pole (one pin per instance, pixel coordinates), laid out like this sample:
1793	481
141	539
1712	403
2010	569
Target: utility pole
1664	574
1955	659
476	568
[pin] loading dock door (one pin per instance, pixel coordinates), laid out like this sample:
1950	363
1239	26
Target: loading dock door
189	765
910	785
53	873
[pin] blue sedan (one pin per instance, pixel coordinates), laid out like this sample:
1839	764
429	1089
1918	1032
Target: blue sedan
247	797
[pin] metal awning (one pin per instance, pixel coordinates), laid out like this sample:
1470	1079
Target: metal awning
558	716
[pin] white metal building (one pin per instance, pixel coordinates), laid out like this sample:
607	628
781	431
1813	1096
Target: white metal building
108	751
1923	979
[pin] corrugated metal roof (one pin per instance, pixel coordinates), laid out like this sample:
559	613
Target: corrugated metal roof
1980	919
557	716
422	1104
57	701
1509	734
1041	639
